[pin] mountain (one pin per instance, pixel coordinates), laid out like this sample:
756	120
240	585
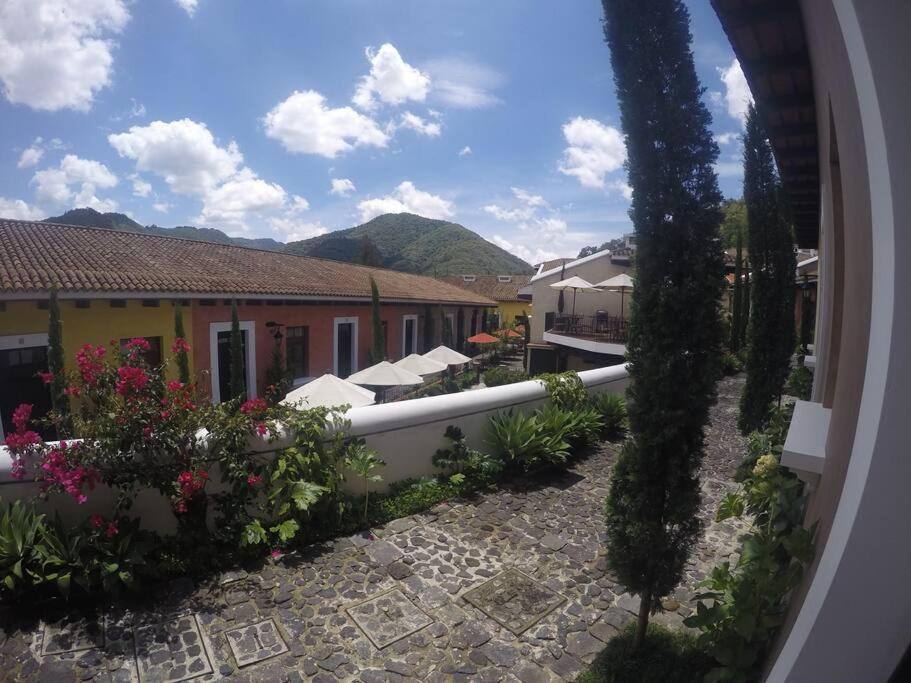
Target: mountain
118	221
414	244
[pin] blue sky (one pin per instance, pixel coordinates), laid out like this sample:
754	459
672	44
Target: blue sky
289	118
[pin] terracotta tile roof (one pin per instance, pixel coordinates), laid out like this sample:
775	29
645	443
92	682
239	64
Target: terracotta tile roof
490	286
553	263
35	256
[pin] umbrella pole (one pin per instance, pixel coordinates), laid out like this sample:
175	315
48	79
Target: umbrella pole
574	302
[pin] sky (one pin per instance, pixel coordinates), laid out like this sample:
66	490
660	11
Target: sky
292	118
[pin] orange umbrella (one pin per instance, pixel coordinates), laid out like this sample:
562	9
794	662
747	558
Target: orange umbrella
509	333
483	338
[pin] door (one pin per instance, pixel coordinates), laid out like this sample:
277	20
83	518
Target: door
224	363
18	377
344	340
410	330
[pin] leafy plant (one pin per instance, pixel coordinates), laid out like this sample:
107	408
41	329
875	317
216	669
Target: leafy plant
460	462
612	409
20	534
565	389
520	440
800	381
498	376
364	461
730	364
579	427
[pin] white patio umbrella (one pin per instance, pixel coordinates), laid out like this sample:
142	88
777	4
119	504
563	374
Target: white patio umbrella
329	391
447	356
618	283
385	374
577	284
420	365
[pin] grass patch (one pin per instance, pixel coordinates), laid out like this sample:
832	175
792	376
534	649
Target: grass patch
665	657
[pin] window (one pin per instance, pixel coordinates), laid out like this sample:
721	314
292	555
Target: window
297	341
504	278
344	360
118	303
549	321
82	303
153	355
150	303
468	278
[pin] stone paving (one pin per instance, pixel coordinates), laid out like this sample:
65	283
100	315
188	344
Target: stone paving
511	586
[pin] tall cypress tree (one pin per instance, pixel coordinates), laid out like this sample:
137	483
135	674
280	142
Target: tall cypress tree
737	303
183	362
675	333
428	328
59	401
770	334
745	315
237	356
378	349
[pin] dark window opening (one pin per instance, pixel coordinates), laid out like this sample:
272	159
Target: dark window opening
297	340
152	357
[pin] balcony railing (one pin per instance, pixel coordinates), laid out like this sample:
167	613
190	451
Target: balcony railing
599	327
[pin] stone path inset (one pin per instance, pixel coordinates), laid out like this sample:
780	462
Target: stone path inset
511	586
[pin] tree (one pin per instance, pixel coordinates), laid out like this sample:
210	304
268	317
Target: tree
276	374
183	361
428	328
59	401
377	351
770	334
560	300
368	254
237	385
737	303
675	332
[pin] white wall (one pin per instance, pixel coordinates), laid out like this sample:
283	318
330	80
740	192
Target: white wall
405	434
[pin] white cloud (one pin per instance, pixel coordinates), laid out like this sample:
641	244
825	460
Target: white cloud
406	198
138	109
303	123
729	169
594	151
419	125
31	155
737	94
233	202
391	80
57	54
727	138
188	6
533	200
530	255
623	188
342	187
17	209
464	84
522	213
292	230
75	180
465	151
183	152
298	204
161	207
141	188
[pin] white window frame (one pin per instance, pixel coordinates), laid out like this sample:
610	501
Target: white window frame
335	323
414	332
247	326
21	341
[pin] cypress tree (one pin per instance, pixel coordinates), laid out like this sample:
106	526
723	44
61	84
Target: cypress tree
428	328
737	303
377	351
237	387
675	332
183	362
770	333
59	401
745	315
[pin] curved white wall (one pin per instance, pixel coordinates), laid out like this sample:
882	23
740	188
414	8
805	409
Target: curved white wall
405	434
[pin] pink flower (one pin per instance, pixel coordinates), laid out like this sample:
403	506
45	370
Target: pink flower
21	416
17	468
276	553
137	345
164	414
111	529
180	346
189	484
72	391
90	364
96	521
132	380
147	433
60	468
254	405
46	377
174	385
254	479
22	439
261	429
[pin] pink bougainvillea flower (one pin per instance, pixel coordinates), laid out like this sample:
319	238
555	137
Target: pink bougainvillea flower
21	416
174	385
254	405
111	529
97	521
72	391
137	345
180	346
89	361
276	554
60	468
261	429
46	377
132	380
254	479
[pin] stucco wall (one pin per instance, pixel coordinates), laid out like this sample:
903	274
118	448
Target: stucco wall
594	270
406	435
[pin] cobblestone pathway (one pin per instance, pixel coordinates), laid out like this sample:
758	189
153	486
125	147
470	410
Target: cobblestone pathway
511	586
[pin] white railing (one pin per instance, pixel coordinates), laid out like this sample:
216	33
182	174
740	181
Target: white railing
405	434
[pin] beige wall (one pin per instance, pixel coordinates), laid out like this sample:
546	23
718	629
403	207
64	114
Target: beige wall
594	270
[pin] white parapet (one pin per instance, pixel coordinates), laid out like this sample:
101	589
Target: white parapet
804	450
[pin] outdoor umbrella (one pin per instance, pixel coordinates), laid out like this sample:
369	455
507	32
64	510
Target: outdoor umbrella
577	284
329	391
509	333
444	354
420	365
385	374
618	283
483	338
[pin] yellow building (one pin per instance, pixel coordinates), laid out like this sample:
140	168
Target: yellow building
504	289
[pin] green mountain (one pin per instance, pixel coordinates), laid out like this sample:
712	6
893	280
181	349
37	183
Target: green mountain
118	221
414	244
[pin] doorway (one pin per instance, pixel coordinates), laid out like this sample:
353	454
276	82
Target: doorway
21	358
345	348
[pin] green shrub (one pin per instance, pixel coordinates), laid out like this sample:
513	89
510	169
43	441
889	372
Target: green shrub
520	440
730	364
580	427
612	409
800	381
565	389
20	535
461	463
495	377
664	657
